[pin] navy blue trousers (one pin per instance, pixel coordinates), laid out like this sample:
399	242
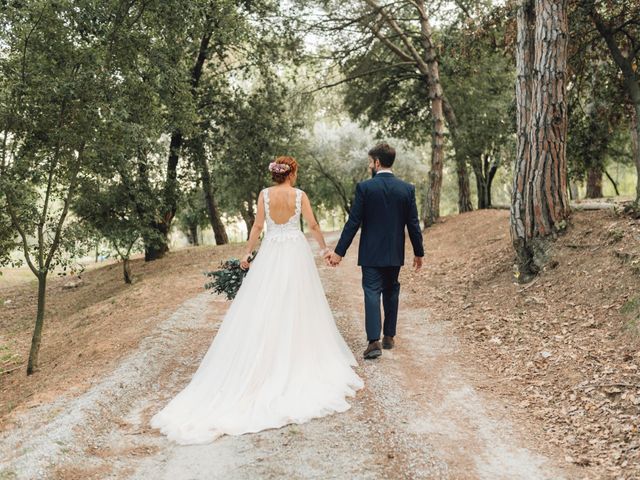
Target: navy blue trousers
376	282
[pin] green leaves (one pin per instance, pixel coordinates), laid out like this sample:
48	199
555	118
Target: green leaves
228	278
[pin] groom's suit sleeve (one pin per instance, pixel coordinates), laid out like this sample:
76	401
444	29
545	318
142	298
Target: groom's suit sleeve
353	223
413	226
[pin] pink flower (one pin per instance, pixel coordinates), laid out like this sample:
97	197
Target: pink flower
279	167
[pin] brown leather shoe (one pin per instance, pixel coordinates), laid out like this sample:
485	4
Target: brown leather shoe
387	342
374	350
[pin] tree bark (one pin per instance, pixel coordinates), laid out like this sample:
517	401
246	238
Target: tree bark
484	170
126	271
464	191
540	206
435	93
249	216
594	181
213	212
32	363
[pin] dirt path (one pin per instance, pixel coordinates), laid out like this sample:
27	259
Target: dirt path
419	415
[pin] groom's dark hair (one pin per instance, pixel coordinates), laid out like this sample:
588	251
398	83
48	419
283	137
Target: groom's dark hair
385	153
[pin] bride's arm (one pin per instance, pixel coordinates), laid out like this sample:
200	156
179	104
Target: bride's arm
256	230
307	213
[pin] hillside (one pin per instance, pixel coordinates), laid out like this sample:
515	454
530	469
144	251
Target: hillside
89	328
564	348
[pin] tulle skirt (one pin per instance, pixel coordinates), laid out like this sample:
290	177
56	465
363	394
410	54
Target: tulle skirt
277	358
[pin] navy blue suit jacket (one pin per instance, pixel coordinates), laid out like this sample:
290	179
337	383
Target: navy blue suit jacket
382	207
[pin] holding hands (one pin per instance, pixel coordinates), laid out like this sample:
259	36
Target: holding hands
331	258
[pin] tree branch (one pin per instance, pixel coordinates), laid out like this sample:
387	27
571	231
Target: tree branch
358	75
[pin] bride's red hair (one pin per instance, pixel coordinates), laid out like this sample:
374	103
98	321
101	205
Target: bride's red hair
293	168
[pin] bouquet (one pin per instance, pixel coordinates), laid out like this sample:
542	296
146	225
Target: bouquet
228	278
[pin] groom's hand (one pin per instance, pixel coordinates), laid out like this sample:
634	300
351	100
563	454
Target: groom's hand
335	259
417	263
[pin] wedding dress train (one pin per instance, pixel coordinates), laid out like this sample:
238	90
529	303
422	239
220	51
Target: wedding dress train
277	358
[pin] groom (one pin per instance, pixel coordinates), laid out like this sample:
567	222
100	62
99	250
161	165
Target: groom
382	207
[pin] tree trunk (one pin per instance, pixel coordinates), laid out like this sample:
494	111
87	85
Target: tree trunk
157	245
249	216
484	170
32	364
481	189
427	65
160	243
432	210
219	231
540	205
193	234
491	174
594	181
126	270
464	191
170	193
430	70
635	145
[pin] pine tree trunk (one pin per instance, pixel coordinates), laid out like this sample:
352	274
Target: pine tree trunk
434	89
594	181
525	23
434	191
540	205
32	364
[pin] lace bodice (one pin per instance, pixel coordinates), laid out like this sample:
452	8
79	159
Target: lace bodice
283	231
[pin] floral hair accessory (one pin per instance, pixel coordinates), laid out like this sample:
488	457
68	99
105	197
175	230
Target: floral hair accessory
279	167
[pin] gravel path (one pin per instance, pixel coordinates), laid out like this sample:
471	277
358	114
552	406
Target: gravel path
419	415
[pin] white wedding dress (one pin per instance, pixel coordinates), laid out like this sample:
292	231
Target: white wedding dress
277	358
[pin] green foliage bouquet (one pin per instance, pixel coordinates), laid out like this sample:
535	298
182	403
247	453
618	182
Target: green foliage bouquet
228	278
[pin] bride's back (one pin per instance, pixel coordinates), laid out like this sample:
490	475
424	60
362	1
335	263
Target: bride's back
282	203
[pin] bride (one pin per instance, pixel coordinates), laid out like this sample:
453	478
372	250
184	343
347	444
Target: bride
278	357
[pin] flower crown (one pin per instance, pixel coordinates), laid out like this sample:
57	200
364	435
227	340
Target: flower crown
279	167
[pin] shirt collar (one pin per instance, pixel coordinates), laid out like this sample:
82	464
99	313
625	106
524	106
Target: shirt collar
384	171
